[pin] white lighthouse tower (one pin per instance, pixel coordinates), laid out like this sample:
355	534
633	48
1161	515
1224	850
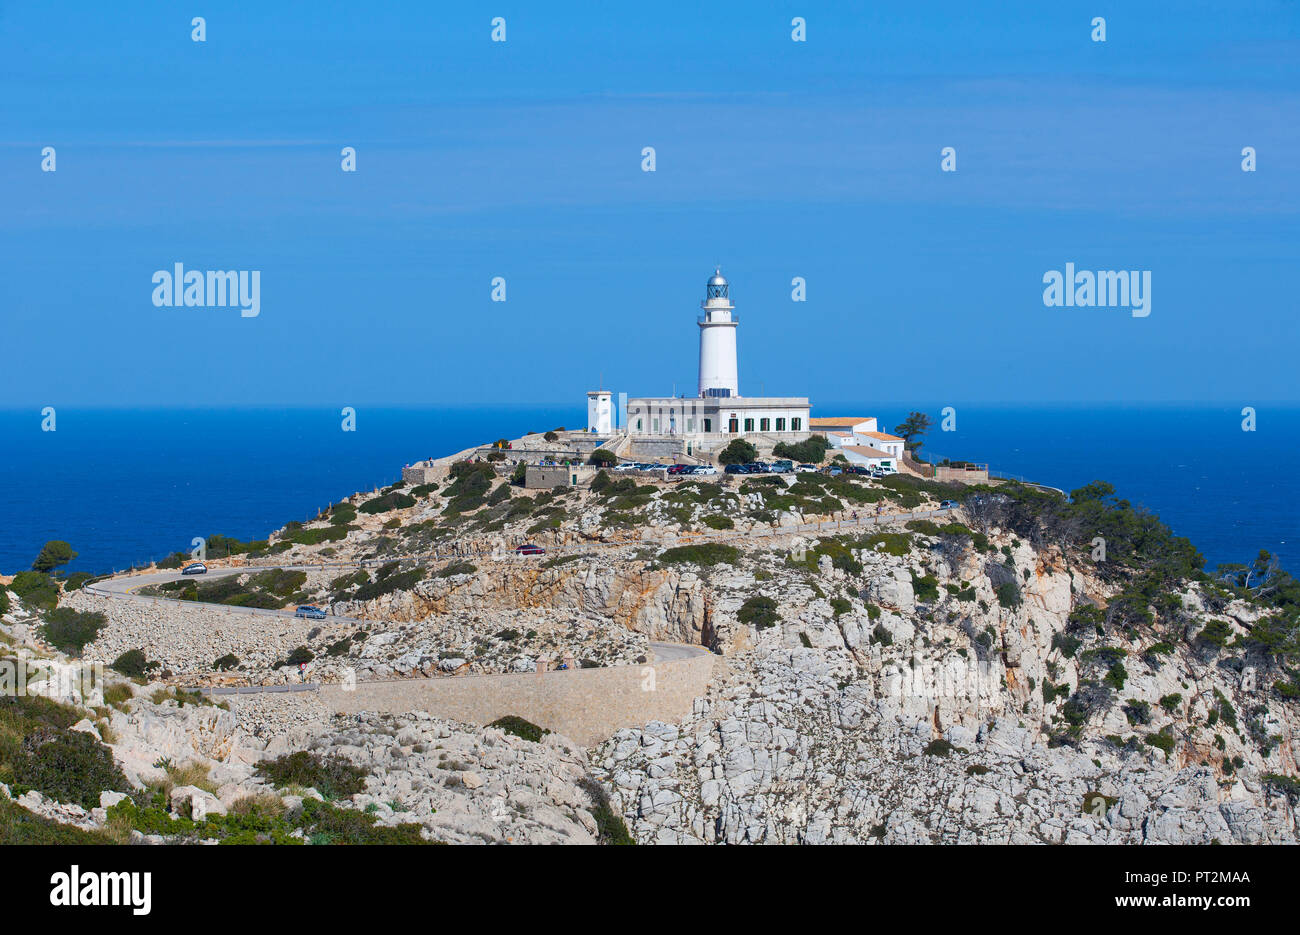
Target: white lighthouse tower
718	341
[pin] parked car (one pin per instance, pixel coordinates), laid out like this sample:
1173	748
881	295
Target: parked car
309	612
782	467
806	469
886	470
529	549
703	469
679	469
948	505
858	469
736	469
757	467
195	568
834	470
625	466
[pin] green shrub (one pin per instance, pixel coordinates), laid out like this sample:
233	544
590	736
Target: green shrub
134	664
54	553
717	521
300	656
332	776
738	451
840	605
810	451
67	765
1161	741
70	630
940	748
76	580
36	589
610	827
401	581
226	663
513	724
1009	595
926	588
19	826
603	456
759	611
279	581
386	502
706	554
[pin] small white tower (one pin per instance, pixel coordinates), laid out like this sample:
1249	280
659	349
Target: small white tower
600	412
718	341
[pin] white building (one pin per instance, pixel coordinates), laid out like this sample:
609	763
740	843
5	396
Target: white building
846	432
600	411
718	409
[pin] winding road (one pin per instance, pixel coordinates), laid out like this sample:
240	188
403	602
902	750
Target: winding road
127	586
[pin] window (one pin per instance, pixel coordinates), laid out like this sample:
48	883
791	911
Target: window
654	426
638	425
690	425
749	425
780	425
796	425
764	425
708	425
732	425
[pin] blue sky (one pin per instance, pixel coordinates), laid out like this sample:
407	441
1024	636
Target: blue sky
523	160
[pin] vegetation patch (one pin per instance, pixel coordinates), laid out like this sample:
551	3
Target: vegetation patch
333	776
759	611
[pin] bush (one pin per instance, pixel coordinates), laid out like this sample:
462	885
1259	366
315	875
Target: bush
513	724
226	663
603	456
840	605
610	827
738	451
134	664
75	581
1009	595
70	630
706	554
389	501
940	748
54	553
759	611
36	589
810	451
717	521
67	765
300	656
401	581
332	776
1161	741
926	588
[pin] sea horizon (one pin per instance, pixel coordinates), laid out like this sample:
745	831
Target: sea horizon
126	486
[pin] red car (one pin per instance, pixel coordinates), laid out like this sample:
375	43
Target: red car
529	549
677	468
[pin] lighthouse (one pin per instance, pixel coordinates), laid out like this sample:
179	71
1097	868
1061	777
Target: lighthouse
718	341
682	424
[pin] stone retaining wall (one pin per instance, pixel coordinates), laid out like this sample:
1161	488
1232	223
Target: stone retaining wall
585	705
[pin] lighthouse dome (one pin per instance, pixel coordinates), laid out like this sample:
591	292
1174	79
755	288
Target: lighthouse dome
717	279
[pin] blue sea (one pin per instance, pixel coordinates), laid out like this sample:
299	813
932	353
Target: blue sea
127	486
